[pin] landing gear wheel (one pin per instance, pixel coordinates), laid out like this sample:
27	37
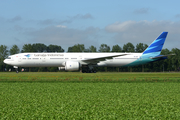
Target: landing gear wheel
88	71
17	70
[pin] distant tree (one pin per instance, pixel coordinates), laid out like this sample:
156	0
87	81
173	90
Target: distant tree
116	48
3	52
3	55
140	47
39	47
129	47
175	59
87	50
91	49
165	51
14	50
70	49
104	48
28	48
77	48
54	48
165	64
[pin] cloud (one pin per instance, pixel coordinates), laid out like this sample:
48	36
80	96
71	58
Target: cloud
1	18
141	11
177	16
17	40
86	16
120	27
46	22
144	31
116	33
61	26
15	19
17	28
140	26
63	36
49	22
68	20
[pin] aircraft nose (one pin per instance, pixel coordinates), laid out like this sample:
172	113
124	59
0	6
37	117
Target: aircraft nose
5	61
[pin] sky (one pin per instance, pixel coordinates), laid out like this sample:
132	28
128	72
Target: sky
95	22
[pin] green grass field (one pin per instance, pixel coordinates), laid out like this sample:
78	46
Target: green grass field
71	95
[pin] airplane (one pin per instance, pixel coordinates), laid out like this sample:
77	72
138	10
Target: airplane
87	61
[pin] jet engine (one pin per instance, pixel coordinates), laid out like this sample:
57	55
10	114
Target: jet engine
72	66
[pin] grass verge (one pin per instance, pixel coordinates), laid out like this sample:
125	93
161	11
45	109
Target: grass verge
101	96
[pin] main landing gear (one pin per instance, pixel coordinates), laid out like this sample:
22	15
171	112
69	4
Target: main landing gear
88	69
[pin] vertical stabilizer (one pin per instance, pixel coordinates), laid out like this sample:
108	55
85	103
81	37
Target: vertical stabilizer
156	46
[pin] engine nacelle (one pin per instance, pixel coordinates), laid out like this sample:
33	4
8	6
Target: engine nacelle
72	66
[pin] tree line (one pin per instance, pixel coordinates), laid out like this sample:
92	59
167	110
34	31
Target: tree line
170	64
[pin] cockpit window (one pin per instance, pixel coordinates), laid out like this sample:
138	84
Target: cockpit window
9	58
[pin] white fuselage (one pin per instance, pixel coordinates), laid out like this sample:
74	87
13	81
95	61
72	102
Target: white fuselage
58	59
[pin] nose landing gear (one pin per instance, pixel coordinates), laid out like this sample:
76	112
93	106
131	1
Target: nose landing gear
17	71
16	67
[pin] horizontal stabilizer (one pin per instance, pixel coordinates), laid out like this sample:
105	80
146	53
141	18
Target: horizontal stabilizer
161	56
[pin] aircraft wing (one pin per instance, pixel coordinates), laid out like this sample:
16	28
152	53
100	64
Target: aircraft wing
161	56
97	60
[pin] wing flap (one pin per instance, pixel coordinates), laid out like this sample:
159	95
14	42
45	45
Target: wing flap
97	60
